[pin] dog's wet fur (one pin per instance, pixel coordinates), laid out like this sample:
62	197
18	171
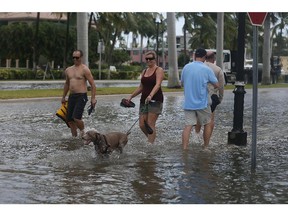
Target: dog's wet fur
105	144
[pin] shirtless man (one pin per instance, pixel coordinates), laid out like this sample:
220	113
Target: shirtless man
76	83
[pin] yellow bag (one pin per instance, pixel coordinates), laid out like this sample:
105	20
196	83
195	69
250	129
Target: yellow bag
62	112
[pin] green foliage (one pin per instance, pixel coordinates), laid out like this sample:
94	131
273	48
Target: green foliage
4	75
115	75
19	41
16	42
120	56
93	45
130	68
183	59
28	74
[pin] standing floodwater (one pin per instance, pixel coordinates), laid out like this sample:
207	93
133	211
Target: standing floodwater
41	163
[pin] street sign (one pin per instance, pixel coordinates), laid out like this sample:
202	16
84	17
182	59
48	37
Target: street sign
257	18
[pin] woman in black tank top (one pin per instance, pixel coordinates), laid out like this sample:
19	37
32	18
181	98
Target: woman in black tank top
151	101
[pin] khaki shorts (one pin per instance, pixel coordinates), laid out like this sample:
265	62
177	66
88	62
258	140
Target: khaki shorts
203	116
155	107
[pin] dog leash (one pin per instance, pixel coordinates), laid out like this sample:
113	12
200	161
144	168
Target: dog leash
148	128
135	122
132	126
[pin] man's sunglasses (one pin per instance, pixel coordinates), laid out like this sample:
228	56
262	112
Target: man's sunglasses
76	57
150	59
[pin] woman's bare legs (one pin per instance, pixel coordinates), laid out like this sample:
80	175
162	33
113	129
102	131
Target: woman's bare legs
151	119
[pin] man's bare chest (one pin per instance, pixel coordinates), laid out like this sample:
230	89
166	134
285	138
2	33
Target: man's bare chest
76	73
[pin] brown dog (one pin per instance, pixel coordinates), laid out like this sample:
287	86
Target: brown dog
106	143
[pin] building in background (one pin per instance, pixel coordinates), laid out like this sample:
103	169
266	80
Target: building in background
11	17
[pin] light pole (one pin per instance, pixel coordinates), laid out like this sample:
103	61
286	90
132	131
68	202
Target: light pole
157	21
100	50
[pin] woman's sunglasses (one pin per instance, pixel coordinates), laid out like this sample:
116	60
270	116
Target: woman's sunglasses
150	59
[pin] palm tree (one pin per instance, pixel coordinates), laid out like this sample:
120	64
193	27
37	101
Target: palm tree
66	40
266	52
145	28
110	27
220	39
173	75
82	34
35	46
69	15
187	27
203	31
279	22
230	31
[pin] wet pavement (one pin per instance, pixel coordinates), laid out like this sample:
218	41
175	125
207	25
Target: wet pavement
41	163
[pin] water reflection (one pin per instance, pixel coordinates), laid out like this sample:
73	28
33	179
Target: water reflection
148	186
41	163
197	170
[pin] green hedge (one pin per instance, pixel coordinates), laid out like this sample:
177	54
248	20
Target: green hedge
129	75
28	74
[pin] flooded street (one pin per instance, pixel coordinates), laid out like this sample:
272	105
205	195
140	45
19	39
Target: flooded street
41	163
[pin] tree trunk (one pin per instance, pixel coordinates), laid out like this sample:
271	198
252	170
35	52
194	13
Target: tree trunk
266	53
220	39
185	39
141	51
173	75
82	35
35	47
66	41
